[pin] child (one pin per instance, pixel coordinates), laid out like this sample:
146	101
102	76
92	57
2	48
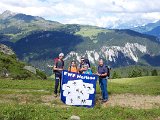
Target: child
73	67
87	70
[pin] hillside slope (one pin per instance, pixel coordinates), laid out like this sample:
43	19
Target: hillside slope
11	67
17	25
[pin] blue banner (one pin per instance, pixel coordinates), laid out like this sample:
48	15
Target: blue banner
78	89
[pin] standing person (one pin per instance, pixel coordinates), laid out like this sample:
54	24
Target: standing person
81	67
58	68
73	67
102	73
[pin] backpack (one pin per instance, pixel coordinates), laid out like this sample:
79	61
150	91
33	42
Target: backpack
108	71
87	62
55	63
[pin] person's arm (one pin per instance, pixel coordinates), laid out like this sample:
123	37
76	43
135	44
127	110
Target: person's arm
82	69
49	66
78	68
54	68
103	75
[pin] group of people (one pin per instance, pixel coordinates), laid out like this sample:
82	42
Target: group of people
83	68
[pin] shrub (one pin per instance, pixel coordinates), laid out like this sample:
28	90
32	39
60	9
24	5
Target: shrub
154	72
135	73
41	74
115	75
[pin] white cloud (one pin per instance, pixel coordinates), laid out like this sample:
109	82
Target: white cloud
104	13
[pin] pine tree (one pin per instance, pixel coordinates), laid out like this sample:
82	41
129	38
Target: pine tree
154	72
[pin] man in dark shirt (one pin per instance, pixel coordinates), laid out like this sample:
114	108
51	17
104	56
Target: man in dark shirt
102	73
58	68
81	67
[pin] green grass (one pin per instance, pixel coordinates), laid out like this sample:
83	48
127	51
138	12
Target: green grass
22	100
91	32
149	85
39	112
20	86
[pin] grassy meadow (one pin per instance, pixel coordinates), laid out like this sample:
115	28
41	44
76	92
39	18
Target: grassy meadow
34	100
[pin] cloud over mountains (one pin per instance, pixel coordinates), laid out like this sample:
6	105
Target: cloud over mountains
104	13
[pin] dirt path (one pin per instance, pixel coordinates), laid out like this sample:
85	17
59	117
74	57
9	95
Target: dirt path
123	100
126	100
134	101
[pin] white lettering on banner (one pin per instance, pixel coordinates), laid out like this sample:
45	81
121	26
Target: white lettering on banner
69	74
85	77
65	73
79	76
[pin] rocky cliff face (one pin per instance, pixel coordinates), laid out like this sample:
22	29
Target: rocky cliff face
131	51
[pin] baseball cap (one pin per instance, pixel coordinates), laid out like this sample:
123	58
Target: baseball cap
61	54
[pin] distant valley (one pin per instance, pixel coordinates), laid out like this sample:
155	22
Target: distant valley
37	41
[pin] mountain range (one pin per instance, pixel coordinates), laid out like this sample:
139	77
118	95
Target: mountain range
37	41
150	29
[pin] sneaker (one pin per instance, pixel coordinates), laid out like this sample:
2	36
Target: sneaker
105	100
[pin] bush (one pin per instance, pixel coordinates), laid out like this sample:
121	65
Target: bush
94	69
115	75
135	73
20	76
154	72
41	74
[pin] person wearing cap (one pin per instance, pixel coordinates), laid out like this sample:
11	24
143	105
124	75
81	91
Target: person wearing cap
102	73
58	68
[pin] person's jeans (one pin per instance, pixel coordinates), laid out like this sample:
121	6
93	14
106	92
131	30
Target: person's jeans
103	86
57	82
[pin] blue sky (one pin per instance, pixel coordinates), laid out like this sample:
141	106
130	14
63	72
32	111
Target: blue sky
103	13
